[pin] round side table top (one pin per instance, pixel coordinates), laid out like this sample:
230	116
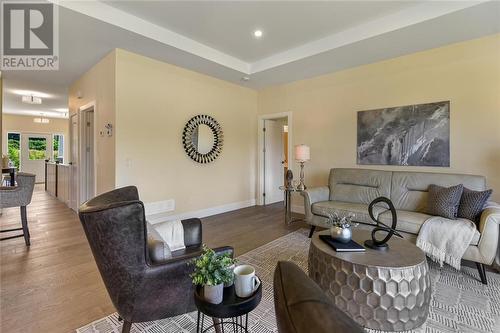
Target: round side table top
231	306
401	253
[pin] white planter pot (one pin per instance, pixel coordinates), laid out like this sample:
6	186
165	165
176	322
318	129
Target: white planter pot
213	294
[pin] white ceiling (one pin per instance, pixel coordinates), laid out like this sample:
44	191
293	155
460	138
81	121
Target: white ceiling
228	26
301	39
54	98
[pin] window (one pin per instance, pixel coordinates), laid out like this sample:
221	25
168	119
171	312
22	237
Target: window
37	148
58	148
14	144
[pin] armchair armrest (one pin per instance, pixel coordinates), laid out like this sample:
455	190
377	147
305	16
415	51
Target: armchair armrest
312	195
192	232
489	227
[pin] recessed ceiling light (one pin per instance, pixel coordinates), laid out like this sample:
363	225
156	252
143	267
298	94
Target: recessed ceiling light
257	33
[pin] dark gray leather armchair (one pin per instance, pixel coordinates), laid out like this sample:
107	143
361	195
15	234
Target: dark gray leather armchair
141	288
302	307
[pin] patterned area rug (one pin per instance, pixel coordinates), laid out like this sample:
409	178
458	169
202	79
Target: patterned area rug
460	303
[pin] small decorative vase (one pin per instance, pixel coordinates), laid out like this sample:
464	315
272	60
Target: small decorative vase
342	235
213	294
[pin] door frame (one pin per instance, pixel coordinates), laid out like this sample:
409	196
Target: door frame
91	106
74	192
260	148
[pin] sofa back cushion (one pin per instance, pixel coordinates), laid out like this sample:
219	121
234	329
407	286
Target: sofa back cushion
359	185
409	189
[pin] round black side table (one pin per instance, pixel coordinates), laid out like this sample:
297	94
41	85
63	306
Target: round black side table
228	315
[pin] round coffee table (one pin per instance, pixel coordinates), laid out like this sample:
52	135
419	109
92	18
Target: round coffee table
383	290
232	308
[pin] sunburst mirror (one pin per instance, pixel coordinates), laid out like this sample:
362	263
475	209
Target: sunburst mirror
202	138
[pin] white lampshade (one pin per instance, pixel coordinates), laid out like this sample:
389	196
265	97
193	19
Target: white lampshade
302	153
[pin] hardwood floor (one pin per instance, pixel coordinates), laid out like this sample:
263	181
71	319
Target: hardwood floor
54	286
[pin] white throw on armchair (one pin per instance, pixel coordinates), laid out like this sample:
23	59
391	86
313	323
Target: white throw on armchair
352	190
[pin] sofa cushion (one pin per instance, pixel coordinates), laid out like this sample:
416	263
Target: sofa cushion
343	208
410	222
407	221
359	185
409	190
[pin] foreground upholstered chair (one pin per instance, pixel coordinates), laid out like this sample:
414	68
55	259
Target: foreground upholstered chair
142	283
19	196
302	307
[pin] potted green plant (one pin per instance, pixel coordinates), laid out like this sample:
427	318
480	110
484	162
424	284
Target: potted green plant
211	271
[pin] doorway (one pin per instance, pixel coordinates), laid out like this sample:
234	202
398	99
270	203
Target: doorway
74	182
35	149
87	157
275	149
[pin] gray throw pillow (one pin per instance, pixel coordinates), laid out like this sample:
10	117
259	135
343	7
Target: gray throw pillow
472	204
444	201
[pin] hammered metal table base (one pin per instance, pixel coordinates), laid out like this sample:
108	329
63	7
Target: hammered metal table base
377	297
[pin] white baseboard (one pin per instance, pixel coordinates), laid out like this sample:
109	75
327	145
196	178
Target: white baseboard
156	218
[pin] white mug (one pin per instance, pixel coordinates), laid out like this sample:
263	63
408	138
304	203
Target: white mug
245	281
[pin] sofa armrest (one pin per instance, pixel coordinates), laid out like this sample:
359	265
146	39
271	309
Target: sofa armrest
489	227
312	195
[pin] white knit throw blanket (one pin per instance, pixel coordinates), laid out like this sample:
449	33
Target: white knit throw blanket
172	233
445	240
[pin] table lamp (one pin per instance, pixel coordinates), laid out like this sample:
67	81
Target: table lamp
302	154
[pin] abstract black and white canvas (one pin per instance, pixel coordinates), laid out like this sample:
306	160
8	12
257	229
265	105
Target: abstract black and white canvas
416	135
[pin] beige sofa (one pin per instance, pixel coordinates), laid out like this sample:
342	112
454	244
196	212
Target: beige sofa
351	190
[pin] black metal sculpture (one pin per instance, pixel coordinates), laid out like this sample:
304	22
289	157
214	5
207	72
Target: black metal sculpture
374	243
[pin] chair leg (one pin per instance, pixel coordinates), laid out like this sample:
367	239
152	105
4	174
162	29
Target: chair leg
482	272
127	325
311	232
24	222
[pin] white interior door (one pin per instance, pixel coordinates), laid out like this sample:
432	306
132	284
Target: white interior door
35	148
73	197
88	158
273	161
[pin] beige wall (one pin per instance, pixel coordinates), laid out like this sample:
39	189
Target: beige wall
98	86
1	110
25	124
467	74
154	101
